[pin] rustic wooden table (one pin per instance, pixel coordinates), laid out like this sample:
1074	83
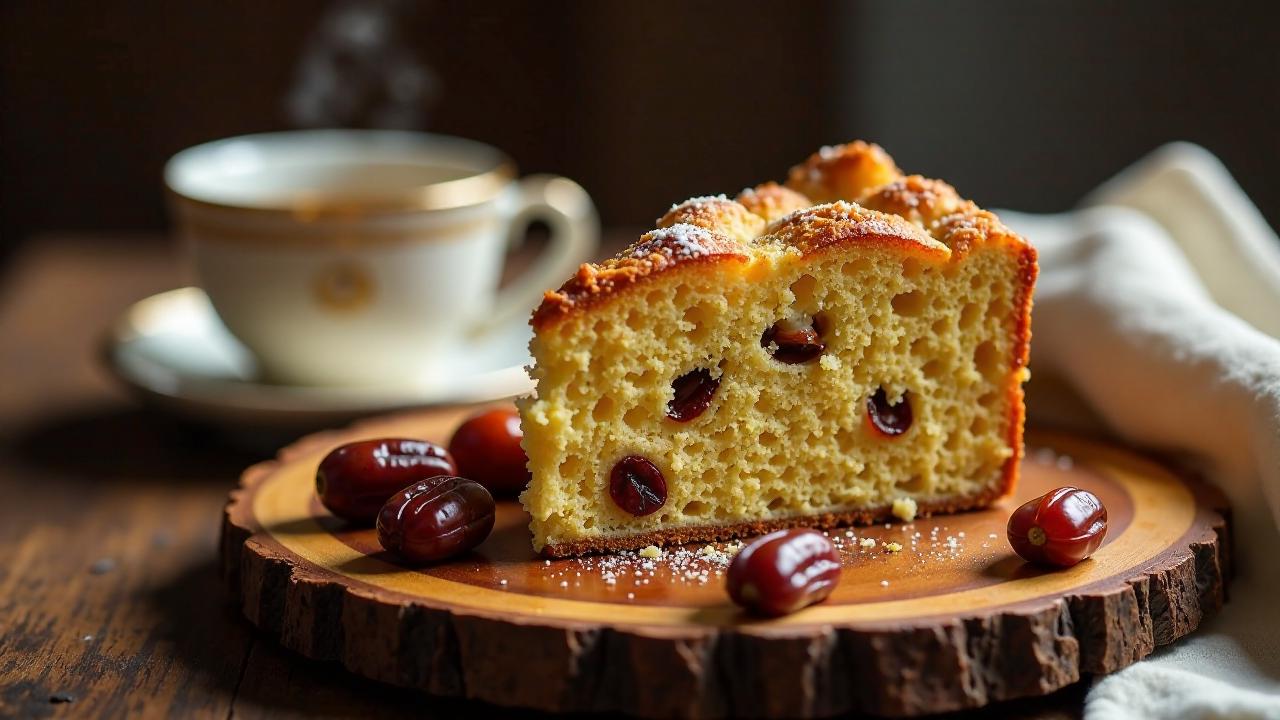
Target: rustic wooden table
110	600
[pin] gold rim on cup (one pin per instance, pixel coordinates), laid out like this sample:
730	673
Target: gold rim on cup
487	175
446	195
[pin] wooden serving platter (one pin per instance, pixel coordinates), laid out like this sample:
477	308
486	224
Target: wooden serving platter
953	620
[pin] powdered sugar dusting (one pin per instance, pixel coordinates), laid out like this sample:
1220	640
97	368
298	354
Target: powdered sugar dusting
903	553
699	202
838	210
817	173
748	193
681	240
634	569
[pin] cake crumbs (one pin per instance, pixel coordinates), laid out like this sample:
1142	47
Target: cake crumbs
628	571
884	583
905	509
696	565
721	556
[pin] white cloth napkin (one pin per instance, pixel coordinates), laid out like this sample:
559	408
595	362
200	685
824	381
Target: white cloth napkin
1156	320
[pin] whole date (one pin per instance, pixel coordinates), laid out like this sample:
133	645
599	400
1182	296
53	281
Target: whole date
783	572
355	479
1060	528
436	519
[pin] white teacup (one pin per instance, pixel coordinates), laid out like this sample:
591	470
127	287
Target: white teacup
355	257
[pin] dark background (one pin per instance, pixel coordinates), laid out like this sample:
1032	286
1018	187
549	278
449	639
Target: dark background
1019	104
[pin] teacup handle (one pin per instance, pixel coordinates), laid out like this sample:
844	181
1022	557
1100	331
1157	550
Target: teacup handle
575	233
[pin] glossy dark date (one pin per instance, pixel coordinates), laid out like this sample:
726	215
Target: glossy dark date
637	486
1060	528
692	394
436	519
793	342
487	450
889	420
783	572
354	480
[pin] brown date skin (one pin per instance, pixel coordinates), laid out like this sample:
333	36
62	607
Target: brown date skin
436	519
888	420
1060	528
691	395
487	449
783	572
355	480
792	342
637	486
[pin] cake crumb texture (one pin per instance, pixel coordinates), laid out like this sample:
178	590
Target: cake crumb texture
917	293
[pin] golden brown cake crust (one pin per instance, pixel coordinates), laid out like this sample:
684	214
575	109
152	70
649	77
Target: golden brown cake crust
843	224
713	533
771	201
843	172
680	244
845	195
1029	269
717	214
915	198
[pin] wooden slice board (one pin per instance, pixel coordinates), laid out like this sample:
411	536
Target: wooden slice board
955	620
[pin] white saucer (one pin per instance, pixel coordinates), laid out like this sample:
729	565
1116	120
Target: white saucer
174	350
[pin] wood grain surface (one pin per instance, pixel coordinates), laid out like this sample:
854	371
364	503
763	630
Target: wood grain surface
87	475
941	625
110	593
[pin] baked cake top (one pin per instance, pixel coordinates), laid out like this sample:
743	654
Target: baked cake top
845	194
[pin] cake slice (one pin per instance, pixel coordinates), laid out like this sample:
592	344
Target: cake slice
844	348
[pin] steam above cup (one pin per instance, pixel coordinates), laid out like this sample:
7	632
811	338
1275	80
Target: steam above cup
358	257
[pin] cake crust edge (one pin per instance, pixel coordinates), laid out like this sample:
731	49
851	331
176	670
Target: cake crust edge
747	530
855	192
595	283
1029	267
